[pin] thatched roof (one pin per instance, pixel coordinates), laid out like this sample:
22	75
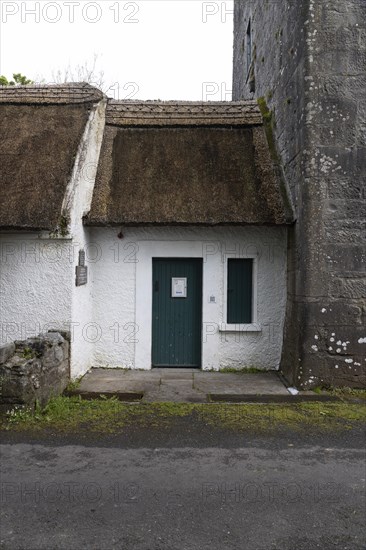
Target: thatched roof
160	163
41	128
186	163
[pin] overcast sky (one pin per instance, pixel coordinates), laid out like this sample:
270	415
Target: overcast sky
148	49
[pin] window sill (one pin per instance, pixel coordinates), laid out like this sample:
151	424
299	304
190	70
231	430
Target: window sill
252	327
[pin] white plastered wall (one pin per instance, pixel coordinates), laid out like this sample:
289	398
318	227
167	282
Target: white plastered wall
122	293
35	275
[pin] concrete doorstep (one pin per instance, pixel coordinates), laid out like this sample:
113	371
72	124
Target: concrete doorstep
188	386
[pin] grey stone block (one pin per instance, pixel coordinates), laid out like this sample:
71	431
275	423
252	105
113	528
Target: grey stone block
352	288
6	351
38	369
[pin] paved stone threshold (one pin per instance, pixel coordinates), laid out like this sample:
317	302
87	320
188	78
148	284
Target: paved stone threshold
187	386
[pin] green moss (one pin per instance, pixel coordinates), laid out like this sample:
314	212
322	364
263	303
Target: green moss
278	34
74	415
28	353
263	418
64	226
347	393
269	123
269	126
343	393
266	113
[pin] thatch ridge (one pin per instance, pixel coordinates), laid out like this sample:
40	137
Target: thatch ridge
41	94
183	113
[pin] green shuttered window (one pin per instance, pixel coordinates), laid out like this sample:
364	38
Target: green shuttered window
239	291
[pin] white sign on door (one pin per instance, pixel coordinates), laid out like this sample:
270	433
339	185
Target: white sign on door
179	287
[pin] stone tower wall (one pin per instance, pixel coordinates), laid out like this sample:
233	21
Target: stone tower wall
309	66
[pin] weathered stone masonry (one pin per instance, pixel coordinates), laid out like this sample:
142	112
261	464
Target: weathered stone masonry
35	369
309	65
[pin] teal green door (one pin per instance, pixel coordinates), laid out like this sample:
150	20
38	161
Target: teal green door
177	312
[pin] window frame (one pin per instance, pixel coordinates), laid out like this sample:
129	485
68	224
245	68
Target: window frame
254	326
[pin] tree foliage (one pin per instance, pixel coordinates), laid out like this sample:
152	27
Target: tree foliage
18	80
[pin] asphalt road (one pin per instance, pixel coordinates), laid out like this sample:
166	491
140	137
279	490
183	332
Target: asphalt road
185	488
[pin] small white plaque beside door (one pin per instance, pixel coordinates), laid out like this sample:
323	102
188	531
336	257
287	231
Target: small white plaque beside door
179	287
